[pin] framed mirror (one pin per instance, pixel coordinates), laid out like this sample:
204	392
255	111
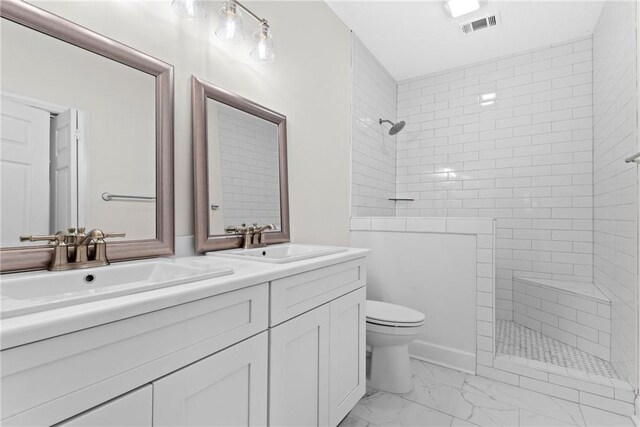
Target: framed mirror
87	139
240	167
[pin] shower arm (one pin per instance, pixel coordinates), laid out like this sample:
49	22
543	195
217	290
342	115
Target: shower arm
380	121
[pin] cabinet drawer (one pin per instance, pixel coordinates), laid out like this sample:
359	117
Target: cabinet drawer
96	364
297	294
133	410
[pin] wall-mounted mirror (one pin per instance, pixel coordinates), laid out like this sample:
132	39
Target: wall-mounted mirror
86	139
240	167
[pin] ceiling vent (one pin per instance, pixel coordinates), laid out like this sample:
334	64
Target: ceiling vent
480	24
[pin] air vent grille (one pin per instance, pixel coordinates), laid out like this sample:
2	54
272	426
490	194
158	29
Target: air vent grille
480	24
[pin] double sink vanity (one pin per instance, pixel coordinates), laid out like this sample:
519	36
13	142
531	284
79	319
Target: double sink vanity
273	335
213	340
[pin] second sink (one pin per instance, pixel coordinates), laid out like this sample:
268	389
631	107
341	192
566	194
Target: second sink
282	253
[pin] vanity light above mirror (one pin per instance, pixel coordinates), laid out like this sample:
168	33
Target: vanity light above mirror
229	28
240	171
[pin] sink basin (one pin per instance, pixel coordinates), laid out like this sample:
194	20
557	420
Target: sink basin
287	252
47	290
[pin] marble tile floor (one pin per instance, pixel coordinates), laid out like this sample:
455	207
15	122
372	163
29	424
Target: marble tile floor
445	397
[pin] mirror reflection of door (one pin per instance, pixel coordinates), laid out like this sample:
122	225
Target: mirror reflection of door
40	169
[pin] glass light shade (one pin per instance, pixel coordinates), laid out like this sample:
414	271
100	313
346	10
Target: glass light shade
230	24
263	52
189	9
461	7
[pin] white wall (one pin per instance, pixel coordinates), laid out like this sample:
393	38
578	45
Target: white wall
525	160
434	273
308	82
615	182
373	149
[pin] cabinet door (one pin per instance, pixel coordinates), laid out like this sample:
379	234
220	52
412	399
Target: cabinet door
347	381
132	409
228	388
299	371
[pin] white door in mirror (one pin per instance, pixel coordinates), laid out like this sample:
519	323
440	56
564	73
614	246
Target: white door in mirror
24	162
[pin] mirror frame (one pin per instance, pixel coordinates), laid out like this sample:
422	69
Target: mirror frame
38	257
201	91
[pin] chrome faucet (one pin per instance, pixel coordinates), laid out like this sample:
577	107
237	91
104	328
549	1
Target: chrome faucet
79	243
253	236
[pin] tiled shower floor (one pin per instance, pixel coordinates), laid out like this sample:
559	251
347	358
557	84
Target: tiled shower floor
516	340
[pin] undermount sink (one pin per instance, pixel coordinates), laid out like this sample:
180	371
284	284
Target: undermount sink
282	253
35	292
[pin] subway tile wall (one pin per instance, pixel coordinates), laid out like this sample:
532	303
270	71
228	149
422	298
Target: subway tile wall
525	159
579	320
373	160
249	161
615	182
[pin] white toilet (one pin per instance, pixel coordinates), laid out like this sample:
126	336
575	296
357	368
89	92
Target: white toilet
390	329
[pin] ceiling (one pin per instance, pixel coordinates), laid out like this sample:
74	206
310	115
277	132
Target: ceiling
414	38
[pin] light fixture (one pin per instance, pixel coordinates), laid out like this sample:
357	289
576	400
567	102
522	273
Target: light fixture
230	30
263	52
230	23
461	7
189	9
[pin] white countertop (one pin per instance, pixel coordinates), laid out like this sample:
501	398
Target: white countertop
24	329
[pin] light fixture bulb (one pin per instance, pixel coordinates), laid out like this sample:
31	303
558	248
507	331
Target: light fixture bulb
461	7
263	52
230	23
189	9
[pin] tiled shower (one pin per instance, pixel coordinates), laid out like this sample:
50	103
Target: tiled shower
537	140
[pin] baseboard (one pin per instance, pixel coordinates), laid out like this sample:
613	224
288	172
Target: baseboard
443	356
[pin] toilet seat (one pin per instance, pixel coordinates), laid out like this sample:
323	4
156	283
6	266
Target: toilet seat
394	324
385	314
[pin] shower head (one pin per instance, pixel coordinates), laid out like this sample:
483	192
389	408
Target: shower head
395	127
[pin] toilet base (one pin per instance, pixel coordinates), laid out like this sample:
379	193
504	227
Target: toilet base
390	369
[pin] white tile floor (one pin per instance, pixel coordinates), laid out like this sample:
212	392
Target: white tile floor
445	397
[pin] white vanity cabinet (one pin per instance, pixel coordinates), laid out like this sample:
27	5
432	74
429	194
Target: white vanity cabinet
347	333
317	358
285	348
299	386
228	388
48	381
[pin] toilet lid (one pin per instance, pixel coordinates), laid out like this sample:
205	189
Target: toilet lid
392	313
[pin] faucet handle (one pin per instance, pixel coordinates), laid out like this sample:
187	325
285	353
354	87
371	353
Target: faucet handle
235	229
71	235
109	235
57	238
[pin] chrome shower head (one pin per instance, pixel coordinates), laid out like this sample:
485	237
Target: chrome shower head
395	127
